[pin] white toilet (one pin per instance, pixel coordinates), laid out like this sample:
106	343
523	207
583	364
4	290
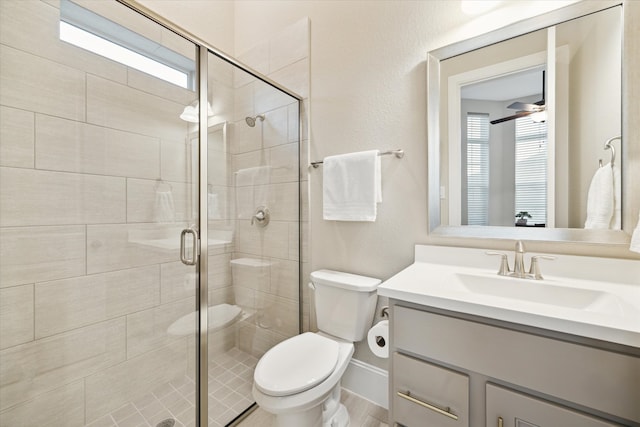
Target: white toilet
298	380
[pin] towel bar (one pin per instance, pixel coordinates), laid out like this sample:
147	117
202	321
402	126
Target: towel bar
399	153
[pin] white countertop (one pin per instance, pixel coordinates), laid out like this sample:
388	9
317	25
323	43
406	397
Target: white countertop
585	296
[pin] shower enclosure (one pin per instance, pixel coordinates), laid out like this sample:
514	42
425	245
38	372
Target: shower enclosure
149	220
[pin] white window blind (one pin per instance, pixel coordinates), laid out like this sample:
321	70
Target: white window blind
531	169
477	169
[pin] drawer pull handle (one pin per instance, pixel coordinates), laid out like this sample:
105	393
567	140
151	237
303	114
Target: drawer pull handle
446	412
500	422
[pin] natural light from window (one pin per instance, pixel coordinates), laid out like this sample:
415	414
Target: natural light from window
100	46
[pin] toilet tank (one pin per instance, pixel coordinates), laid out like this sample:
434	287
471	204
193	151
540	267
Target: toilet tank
345	303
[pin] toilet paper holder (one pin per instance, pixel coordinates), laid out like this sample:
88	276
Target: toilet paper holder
384	312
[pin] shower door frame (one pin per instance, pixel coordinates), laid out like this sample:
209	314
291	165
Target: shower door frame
203	49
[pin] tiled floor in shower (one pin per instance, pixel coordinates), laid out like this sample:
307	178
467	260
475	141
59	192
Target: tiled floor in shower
230	379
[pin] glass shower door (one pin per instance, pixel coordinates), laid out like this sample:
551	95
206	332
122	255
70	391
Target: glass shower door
253	231
98	177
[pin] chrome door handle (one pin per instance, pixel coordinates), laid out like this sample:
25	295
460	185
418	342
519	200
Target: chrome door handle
194	253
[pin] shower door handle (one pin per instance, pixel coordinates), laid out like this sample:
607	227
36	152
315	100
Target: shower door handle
194	252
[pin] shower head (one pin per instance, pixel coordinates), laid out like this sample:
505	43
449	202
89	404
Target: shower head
251	121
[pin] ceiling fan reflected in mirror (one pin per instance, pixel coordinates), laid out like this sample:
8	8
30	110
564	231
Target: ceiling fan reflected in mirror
537	110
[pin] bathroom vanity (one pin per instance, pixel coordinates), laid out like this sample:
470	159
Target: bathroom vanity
471	348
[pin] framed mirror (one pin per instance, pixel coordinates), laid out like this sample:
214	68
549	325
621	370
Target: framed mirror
521	121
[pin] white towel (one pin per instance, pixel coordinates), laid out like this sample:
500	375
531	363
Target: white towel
616	219
600	200
635	238
352	186
164	208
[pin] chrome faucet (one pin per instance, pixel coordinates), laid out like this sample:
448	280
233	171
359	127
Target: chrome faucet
518	261
518	264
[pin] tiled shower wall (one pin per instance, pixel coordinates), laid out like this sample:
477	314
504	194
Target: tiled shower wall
86	304
85	301
273	143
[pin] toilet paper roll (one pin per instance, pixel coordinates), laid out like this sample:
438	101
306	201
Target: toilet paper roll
378	339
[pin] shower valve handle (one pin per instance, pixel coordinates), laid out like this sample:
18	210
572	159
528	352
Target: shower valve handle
261	217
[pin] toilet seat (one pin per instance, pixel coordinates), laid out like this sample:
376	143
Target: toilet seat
296	364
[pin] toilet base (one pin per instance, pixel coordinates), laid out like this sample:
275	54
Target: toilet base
339	419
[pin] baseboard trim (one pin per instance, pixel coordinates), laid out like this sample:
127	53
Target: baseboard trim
368	381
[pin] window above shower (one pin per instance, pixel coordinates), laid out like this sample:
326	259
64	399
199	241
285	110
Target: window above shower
90	31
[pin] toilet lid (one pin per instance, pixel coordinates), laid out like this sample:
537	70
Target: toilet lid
296	365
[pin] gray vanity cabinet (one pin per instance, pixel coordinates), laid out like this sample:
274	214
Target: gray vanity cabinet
491	373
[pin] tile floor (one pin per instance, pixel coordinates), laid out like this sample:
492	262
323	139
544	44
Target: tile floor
230	379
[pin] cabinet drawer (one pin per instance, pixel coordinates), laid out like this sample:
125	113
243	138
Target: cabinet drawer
507	408
427	395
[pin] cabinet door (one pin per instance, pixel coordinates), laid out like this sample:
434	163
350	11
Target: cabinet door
507	408
426	395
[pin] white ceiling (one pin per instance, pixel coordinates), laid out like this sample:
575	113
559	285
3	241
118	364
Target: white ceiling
506	88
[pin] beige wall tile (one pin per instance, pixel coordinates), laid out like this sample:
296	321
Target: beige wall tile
258	59
220	271
111	388
218	169
267	98
294	77
143	200
284	279
121	107
177	281
243	102
251	168
280	314
65	145
244	138
120	246
34	27
222	295
67	304
252	272
220	203
178	161
289	46
272	239
284	160
220	71
16	315
63	406
149	329
32	254
31	369
283	201
36	84
276	127
32	197
16	138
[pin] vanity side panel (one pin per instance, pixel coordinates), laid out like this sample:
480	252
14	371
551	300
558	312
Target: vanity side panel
594	378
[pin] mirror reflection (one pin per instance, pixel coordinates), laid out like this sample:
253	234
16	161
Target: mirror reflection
524	124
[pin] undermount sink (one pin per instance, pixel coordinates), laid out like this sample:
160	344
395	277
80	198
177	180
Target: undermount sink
537	291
